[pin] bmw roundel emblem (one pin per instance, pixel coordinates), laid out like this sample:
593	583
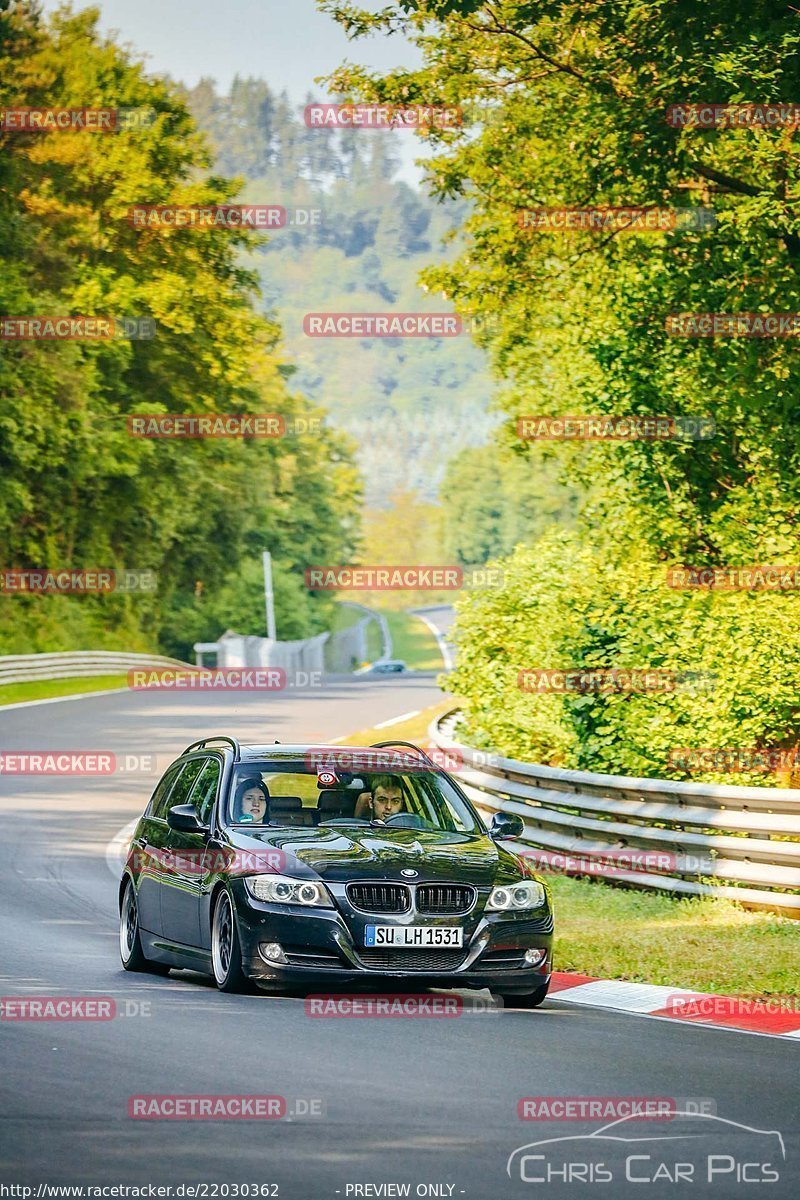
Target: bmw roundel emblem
408	873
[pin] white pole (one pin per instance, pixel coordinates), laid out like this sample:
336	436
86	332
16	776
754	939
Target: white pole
269	598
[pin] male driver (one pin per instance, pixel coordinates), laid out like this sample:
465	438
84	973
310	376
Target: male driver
385	800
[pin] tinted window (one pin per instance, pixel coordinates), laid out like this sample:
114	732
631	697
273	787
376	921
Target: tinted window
158	805
180	793
205	790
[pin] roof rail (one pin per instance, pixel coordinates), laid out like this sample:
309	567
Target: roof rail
201	745
408	746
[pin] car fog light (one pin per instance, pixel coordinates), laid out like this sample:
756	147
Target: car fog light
272	952
533	958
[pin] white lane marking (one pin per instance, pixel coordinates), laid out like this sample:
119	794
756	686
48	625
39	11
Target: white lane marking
61	699
396	720
62	921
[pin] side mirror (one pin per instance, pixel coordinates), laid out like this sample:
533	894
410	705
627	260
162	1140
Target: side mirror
506	825
183	818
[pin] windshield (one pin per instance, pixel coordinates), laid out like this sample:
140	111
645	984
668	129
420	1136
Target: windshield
298	793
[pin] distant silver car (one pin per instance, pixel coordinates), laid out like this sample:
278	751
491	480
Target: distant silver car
385	666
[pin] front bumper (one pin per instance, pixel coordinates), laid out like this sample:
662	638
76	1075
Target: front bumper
326	947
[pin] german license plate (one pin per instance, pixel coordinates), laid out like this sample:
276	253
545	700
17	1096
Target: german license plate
412	936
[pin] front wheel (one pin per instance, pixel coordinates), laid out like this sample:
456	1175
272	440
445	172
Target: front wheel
226	951
526	999
130	941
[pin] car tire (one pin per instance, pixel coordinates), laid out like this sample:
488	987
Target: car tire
226	950
526	999
130	941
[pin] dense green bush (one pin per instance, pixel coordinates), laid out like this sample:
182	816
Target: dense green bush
563	605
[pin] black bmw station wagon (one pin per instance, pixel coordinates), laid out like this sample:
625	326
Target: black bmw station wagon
281	866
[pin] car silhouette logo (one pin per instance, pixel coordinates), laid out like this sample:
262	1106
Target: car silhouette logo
685	1128
408	873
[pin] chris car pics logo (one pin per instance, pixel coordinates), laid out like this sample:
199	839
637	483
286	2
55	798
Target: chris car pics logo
690	1147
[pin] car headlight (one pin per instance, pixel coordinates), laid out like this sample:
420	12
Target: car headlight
281	889
516	897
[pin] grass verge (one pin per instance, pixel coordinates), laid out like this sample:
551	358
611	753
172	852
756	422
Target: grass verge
701	943
46	689
415	729
413	641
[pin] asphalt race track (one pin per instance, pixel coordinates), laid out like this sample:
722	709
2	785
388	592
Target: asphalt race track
418	1102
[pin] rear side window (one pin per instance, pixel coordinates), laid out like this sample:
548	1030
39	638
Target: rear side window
186	779
205	790
158	805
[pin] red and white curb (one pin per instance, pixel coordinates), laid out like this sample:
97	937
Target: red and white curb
773	1016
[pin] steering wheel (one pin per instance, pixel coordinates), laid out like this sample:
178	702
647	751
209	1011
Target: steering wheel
404	820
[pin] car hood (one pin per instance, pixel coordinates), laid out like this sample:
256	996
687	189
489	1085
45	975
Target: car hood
342	853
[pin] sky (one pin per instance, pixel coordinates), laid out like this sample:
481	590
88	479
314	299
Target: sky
286	42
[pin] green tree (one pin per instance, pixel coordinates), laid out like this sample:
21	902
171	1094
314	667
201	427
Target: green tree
566	105
75	488
493	501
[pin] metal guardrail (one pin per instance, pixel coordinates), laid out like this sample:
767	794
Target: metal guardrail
742	843
383	625
25	668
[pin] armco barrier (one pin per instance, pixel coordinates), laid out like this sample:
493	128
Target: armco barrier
25	668
747	837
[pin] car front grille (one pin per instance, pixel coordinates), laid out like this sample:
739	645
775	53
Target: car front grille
444	899
412	960
379	897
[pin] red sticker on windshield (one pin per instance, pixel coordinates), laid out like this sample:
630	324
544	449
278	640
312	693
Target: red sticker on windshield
326	779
